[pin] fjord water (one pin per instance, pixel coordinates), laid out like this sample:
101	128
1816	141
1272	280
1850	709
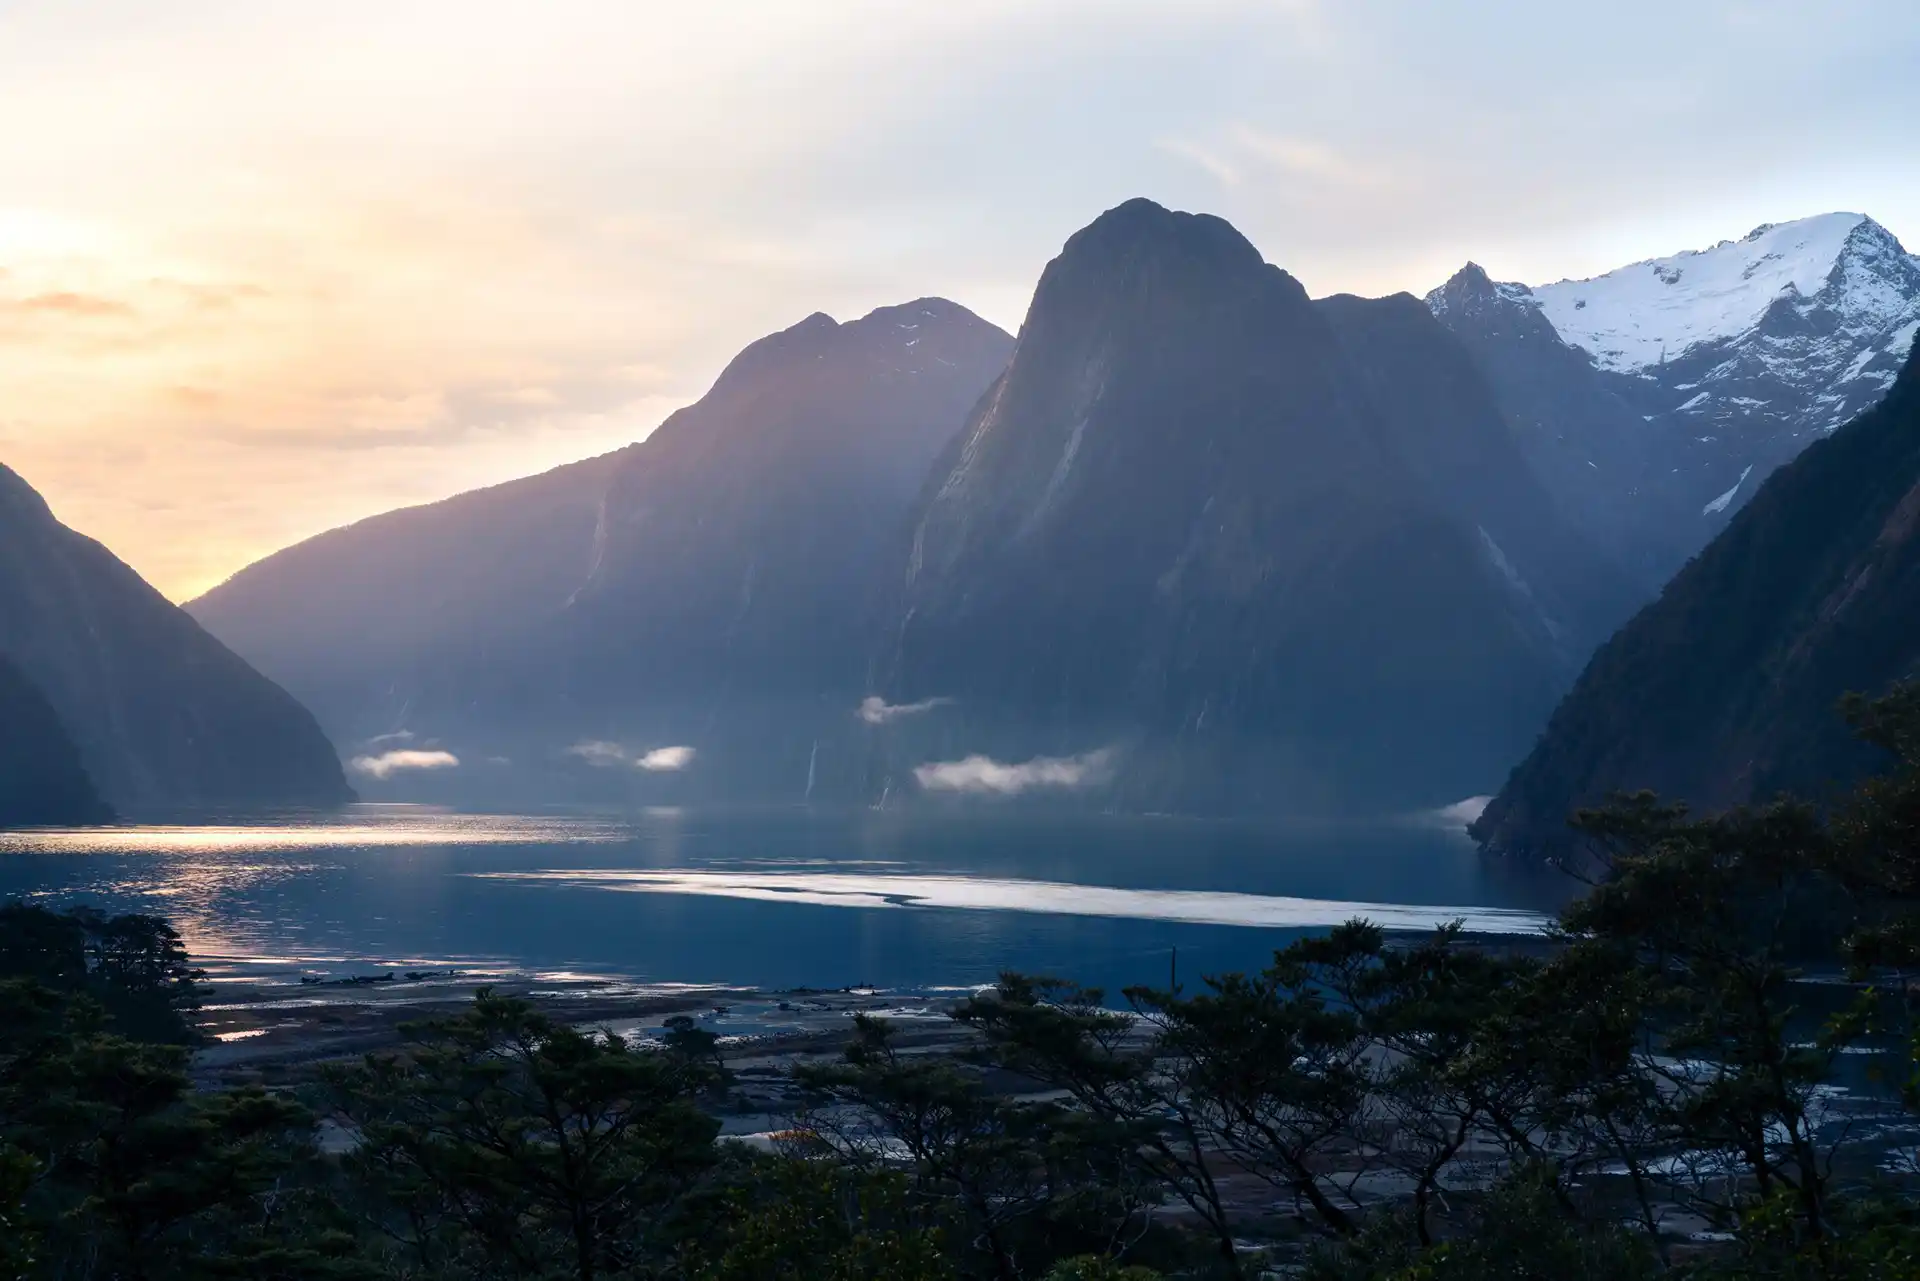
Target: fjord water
771	899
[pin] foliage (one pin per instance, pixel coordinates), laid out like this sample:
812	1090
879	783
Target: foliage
503	1143
134	967
687	1038
114	1167
1519	1232
1878	1240
797	1219
1029	1181
1094	1267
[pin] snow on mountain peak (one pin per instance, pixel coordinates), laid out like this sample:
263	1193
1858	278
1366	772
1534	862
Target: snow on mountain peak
1639	315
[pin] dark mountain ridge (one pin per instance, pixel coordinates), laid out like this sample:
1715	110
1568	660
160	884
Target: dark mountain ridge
1724	689
163	715
42	782
1211	524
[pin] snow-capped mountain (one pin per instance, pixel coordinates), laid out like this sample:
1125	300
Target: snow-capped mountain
1736	357
1642	315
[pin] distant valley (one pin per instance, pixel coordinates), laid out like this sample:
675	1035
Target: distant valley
1192	542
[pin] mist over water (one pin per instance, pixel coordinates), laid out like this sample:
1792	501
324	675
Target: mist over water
772	899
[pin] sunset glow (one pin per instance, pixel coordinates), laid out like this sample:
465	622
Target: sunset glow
265	269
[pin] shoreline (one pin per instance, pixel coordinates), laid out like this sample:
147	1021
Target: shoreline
276	1034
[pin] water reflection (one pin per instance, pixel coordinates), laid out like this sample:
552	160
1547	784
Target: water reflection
1198	907
769	898
404	826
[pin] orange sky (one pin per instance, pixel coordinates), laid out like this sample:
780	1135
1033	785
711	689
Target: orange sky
269	267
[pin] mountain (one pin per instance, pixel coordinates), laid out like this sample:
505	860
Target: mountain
359	622
1208	545
42	782
705	593
164	716
1653	400
1601	460
1724	689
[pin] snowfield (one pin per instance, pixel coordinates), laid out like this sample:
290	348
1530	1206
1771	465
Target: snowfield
1640	315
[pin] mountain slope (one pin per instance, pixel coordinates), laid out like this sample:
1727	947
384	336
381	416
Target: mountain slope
1189	536
1443	419
707	588
1654	399
163	714
356	620
1724	689
42	782
1599	458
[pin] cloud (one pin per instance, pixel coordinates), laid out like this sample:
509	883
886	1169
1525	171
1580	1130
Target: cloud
662	759
1222	169
875	710
599	753
388	763
69	303
1244	152
605	755
1464	812
1308	158
984	775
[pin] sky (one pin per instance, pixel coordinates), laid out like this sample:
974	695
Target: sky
267	268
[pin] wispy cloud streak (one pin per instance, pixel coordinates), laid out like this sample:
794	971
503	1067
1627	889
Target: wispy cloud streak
875	710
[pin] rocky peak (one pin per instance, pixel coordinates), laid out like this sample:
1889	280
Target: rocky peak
767	357
20	498
1471	293
1141	255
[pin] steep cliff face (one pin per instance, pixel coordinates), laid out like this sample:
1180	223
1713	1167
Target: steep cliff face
42	782
163	714
1200	541
1724	689
1444	420
1604	463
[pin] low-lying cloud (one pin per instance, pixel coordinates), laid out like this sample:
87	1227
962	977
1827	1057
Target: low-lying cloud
875	710
982	775
665	759
1464	813
387	764
605	755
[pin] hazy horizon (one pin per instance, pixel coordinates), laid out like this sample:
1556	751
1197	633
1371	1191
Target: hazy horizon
265	270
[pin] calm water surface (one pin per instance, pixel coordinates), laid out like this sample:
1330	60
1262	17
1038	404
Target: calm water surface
774	900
